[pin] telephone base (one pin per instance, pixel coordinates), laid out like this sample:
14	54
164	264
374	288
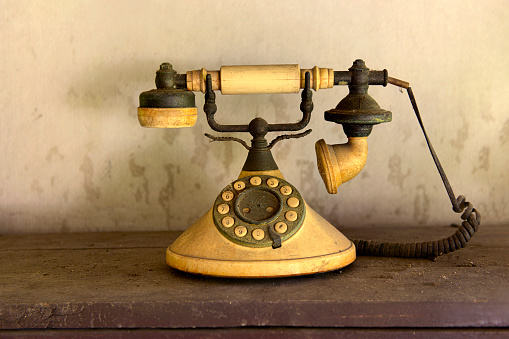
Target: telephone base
261	269
317	247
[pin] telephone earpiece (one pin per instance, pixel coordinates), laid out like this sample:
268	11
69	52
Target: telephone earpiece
357	112
339	163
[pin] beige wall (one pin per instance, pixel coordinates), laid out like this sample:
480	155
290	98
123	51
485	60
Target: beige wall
74	157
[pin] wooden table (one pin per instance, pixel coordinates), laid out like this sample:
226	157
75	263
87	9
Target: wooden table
119	282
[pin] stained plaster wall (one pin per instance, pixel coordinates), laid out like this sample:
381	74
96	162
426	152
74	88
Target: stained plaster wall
74	158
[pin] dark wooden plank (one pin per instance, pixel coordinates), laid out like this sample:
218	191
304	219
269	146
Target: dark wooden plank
496	236
127	284
92	240
256	333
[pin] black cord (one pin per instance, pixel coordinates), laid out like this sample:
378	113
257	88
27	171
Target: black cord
431	249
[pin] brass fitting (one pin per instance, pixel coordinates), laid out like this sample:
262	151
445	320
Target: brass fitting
339	163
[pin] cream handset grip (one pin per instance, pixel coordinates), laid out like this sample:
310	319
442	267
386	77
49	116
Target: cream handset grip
260	79
172	104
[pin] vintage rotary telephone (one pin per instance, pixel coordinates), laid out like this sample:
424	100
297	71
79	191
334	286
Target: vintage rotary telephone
259	225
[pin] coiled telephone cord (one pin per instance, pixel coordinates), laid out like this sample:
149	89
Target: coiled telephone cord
431	249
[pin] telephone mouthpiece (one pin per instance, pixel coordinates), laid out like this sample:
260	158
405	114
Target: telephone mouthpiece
167	106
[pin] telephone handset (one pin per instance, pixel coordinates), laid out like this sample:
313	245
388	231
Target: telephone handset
259	225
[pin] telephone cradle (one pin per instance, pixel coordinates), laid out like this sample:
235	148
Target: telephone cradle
259	225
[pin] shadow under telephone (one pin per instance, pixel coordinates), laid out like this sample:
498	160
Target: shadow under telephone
259	225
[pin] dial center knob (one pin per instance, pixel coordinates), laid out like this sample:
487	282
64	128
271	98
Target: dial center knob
258	205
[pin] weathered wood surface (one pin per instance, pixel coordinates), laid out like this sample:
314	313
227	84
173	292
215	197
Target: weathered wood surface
121	280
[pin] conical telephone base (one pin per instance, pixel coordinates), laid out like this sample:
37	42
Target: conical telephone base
316	247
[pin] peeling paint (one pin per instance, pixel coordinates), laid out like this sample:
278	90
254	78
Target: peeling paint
200	151
461	135
167	193
53	153
504	134
171	135
421	205
36	187
92	192
306	170
483	163
36	115
138	171
396	175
